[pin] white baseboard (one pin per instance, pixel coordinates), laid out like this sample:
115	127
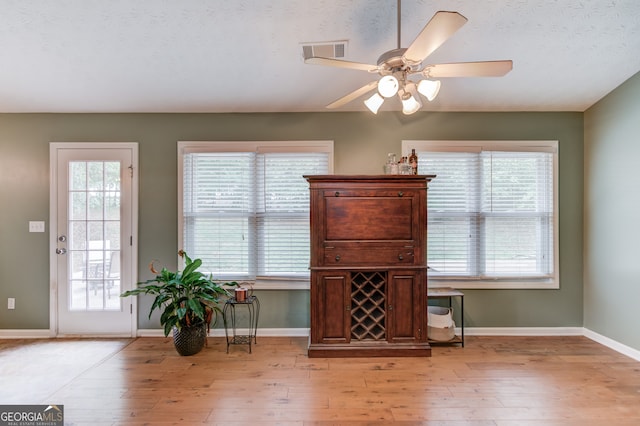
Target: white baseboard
25	334
522	331
277	332
468	331
154	332
612	344
219	332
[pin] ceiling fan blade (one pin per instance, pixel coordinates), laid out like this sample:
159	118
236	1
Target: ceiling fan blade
469	69
442	26
353	95
318	60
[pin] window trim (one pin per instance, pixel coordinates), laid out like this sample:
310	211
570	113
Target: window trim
551	146
258	147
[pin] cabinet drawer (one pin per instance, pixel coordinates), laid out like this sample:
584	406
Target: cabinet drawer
365	256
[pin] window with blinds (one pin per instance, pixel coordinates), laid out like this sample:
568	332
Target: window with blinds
245	206
491	212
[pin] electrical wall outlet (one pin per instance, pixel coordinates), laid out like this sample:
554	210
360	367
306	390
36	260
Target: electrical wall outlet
36	226
11	303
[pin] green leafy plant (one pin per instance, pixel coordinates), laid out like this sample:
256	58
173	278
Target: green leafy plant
186	298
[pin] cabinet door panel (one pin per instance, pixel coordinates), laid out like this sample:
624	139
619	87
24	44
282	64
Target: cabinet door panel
407	300
334	310
369	218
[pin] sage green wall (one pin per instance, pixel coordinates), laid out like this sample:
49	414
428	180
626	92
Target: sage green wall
612	215
362	141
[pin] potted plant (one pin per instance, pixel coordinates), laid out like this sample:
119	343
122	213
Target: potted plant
188	300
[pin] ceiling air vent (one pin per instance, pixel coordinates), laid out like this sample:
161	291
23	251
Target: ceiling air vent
333	49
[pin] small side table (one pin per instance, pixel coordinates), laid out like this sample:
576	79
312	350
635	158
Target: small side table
229	317
447	292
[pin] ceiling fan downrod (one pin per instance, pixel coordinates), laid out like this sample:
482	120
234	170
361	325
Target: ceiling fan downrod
391	61
399	17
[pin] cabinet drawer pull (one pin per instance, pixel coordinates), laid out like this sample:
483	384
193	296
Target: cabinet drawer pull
337	258
400	257
400	194
337	194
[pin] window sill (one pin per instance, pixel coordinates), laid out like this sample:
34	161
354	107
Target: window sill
279	284
494	284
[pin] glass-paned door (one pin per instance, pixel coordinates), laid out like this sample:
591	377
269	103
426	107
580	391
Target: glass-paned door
94	240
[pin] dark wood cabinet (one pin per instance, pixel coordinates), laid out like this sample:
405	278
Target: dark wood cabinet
368	266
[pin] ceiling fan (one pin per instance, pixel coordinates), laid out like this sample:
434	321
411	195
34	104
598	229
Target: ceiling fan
396	67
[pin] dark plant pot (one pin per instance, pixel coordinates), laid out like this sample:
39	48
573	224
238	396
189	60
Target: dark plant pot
190	340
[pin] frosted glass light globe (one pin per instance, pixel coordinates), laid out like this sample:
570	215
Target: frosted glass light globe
388	86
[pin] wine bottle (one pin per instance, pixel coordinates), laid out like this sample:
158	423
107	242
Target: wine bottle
413	160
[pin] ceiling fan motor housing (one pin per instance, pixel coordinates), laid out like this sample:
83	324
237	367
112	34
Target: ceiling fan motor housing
392	60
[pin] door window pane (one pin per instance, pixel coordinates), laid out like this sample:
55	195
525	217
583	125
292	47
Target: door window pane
94	235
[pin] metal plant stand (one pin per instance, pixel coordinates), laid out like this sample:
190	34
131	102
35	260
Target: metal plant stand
229	317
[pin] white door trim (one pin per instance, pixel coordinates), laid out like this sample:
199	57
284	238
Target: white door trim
53	227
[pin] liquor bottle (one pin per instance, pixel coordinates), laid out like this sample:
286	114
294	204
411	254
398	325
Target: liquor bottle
405	167
413	160
391	166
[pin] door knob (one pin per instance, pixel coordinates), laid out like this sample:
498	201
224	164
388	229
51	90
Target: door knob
61	250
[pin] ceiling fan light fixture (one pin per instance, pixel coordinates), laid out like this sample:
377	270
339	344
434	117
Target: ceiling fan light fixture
409	104
374	103
388	86
397	67
429	89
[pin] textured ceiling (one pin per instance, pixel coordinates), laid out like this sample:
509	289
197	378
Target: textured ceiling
246	56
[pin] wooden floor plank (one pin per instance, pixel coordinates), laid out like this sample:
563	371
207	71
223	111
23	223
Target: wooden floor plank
498	381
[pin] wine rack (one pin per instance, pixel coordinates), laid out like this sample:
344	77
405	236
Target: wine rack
368	305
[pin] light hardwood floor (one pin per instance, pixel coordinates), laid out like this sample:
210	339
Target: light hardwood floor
491	381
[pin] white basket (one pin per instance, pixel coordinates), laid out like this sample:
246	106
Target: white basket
441	326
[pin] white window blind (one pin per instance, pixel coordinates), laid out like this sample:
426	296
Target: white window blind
218	206
490	214
282	217
246	214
